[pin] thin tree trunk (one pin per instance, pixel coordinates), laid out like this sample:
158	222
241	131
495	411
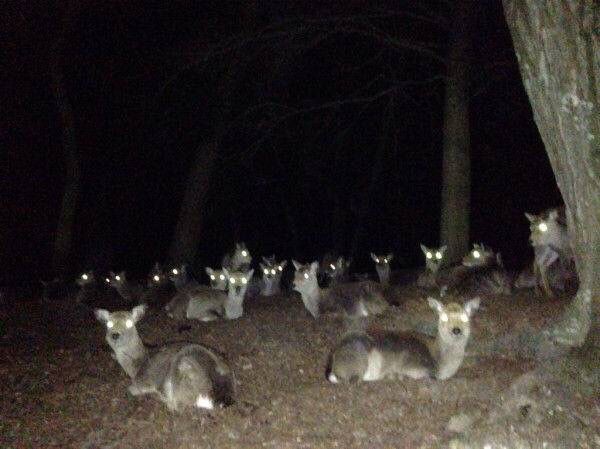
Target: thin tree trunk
188	230
456	168
63	237
375	176
557	43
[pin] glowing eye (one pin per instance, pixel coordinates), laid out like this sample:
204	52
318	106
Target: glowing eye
118	278
376	260
222	277
332	266
107	280
305	275
232	280
156	278
384	260
543	227
212	277
444	317
476	254
428	255
110	324
175	271
245	253
273	271
266	271
438	255
129	324
464	318
244	281
84	277
280	268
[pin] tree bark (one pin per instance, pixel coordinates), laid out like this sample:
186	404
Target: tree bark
63	237
456	167
557	44
188	230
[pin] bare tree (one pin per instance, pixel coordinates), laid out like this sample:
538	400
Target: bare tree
63	237
456	168
188	230
557	43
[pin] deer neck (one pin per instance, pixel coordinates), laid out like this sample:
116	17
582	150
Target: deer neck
384	273
449	356
132	356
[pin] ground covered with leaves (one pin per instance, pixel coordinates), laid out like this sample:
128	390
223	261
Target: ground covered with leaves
61	389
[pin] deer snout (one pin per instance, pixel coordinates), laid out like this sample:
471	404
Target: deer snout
115	335
456	330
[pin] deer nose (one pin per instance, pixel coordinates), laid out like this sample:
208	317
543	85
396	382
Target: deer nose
456	331
115	335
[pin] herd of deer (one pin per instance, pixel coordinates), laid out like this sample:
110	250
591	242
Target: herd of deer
191	374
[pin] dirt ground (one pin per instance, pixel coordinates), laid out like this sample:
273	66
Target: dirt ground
61	389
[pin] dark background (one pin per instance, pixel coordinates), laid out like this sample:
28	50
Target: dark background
138	135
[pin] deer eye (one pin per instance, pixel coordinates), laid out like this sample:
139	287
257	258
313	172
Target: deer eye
428	255
244	281
377	260
305	275
273	271
117	277
280	268
444	317
222	277
266	271
332	266
232	280
84	277
245	253
175	271
476	254
438	255
156	278
129	324
107	280
385	261
212	277
543	227
110	324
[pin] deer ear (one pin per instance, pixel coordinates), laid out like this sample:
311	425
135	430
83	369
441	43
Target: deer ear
296	264
443	248
102	315
208	270
553	214
138	312
250	273
226	272
423	248
435	305
530	217
390	256
472	305
283	263
314	267
374	257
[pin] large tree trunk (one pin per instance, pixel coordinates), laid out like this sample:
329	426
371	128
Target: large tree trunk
188	230
456	168
63	238
558	49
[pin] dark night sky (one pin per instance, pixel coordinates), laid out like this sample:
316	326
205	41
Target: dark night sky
138	136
